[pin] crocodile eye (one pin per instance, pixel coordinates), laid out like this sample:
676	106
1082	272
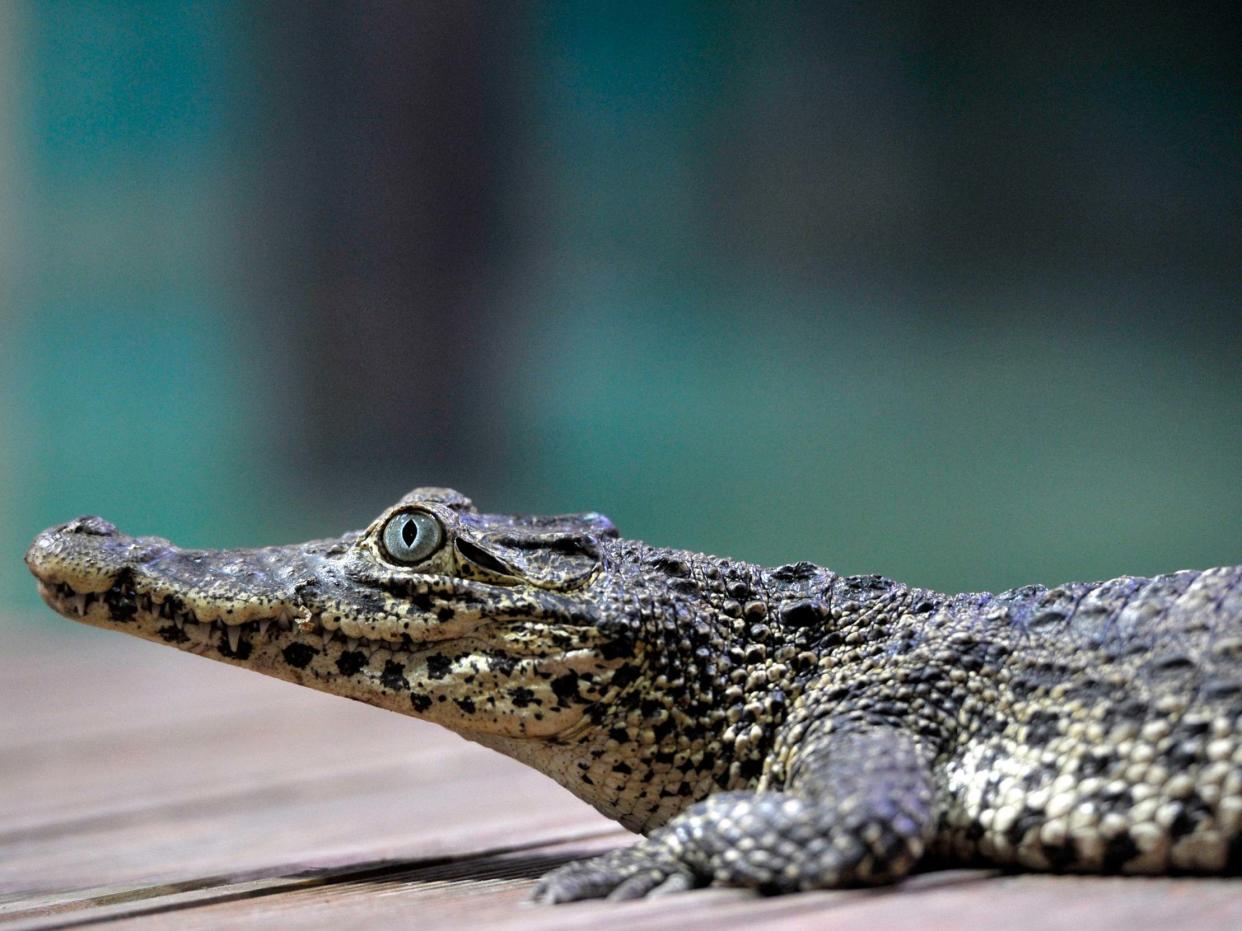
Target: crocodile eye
412	536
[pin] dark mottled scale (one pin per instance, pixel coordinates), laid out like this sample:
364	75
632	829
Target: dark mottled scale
298	655
121	598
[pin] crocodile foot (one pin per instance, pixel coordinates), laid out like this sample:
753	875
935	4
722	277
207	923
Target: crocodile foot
769	841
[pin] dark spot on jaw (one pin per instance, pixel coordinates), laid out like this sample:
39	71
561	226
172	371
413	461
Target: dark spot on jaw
446	613
566	687
171	633
465	704
438	666
351	662
298	655
393	677
419	701
522	697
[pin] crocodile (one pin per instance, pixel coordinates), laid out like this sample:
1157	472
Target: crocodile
783	728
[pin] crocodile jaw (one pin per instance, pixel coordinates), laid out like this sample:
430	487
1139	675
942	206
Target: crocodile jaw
282	611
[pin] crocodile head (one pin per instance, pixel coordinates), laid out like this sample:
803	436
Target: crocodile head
476	621
633	675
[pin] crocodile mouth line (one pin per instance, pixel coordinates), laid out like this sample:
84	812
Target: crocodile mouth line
125	604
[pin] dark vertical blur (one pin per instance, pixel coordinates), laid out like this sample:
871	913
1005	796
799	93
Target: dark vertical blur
393	158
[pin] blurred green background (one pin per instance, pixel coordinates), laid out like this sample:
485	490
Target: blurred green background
923	289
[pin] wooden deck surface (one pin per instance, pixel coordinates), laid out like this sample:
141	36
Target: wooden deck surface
144	788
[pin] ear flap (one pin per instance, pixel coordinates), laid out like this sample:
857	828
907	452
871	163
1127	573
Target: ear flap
547	558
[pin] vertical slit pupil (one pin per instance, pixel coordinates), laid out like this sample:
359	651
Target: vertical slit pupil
409	533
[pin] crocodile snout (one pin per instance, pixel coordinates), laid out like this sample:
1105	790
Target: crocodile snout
81	552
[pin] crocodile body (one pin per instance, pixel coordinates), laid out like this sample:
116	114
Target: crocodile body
780	728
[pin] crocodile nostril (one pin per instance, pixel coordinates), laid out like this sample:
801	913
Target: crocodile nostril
95	526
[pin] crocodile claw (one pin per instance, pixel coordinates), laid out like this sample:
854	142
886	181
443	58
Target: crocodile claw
636	872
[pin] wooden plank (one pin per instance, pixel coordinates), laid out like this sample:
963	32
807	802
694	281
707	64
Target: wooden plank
150	789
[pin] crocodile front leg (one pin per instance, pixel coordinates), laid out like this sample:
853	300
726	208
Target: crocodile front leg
857	810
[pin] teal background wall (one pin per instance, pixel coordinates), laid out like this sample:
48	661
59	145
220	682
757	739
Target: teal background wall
925	290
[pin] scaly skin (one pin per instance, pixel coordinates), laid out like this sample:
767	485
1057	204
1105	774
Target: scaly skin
781	728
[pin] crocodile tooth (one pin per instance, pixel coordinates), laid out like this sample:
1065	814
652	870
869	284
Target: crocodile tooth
179	620
351	643
263	625
234	638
